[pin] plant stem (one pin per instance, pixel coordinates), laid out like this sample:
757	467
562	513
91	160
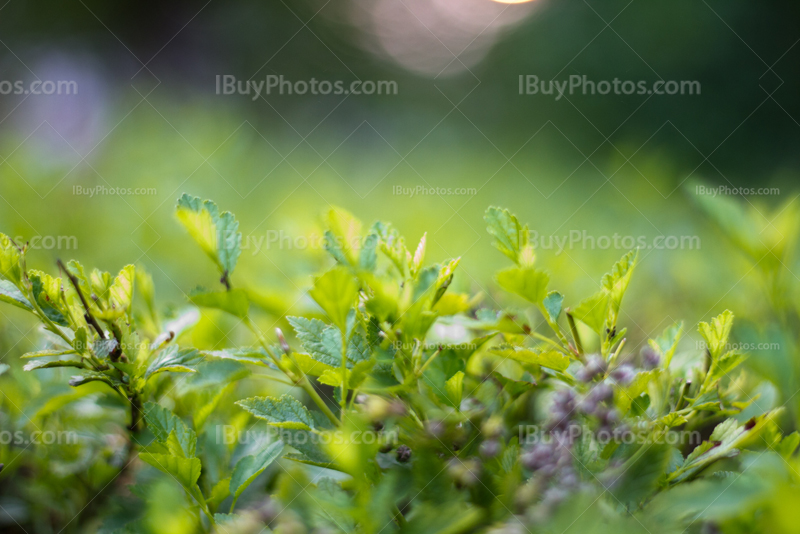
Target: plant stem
300	382
343	400
89	319
575	336
428	362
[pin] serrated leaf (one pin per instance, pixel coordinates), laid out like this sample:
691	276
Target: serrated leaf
616	283
283	412
721	367
549	358
174	359
640	478
345	235
94	376
234	301
11	295
527	283
592	311
250	467
219	493
725	441
336	292
46	353
104	347
716	333
120	294
510	237
324	342
216	233
368	258
667	342
163	422
255	356
9	261
45	364
186	471
673	420
47	293
552	304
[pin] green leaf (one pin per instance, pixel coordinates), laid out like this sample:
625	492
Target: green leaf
721	367
9	261
640	478
216	233
234	301
368	259
455	389
186	471
673	420
343	238
46	353
311	366
616	283
47	293
104	347
284	412
528	283
163	422
250	467
256	356
393	245
219	493
510	237
716	334
95	376
592	311
11	295
667	343
324	342
174	359
552	304
44	364
120	294
336	292
724	442
550	358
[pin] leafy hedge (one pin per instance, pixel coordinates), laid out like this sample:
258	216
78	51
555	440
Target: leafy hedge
406	406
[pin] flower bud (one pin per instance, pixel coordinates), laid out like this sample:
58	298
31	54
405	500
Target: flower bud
403	453
624	374
282	340
595	365
650	358
490	448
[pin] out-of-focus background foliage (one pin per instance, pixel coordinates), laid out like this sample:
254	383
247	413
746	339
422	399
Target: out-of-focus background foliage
147	116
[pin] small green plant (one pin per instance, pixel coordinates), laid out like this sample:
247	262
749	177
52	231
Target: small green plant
407	406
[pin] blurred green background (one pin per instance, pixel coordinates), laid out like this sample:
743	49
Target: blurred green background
147	115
